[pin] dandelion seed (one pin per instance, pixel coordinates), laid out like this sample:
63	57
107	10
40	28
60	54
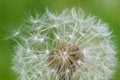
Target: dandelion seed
28	50
47	51
35	21
71	36
41	39
36	38
57	37
35	57
38	28
16	33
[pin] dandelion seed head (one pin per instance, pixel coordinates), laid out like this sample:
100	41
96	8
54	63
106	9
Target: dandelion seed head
65	57
66	46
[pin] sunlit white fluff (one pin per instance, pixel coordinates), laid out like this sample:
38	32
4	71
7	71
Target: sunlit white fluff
39	35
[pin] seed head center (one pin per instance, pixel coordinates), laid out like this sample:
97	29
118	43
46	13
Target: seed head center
65	57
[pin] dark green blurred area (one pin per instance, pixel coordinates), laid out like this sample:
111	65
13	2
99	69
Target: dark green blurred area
15	10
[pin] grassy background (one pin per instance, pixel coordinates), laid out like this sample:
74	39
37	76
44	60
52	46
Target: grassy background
14	11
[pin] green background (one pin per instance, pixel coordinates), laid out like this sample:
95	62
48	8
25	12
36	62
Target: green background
12	11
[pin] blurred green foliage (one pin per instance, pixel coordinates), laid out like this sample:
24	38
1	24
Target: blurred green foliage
15	10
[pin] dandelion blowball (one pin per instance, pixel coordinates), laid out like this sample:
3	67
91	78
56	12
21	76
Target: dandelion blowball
66	46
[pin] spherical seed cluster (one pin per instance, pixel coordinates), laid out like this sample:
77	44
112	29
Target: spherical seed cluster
66	46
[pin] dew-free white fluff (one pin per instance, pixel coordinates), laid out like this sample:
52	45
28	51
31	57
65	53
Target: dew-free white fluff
66	46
